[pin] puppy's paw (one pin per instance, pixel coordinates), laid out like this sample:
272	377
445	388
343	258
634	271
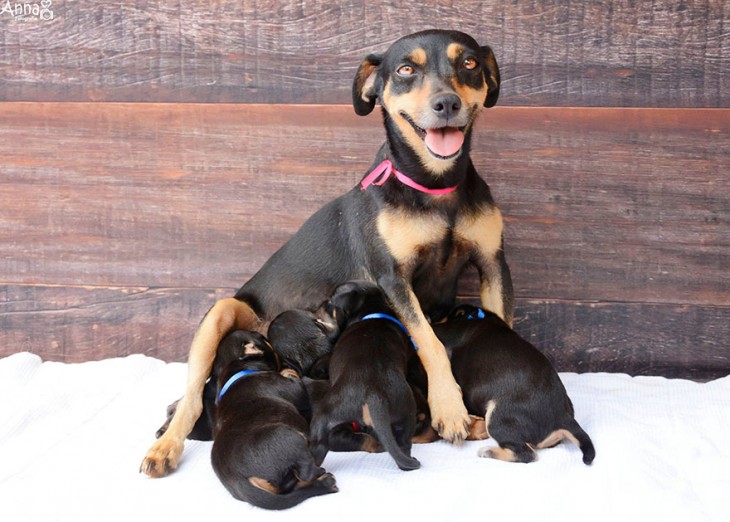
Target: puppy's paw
328	481
478	429
484	452
162	458
448	415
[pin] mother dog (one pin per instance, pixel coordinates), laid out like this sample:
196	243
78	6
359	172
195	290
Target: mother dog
413	223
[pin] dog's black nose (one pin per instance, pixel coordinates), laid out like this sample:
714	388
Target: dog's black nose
446	105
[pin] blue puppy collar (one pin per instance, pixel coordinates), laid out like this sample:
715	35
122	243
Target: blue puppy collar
393	320
234	378
479	315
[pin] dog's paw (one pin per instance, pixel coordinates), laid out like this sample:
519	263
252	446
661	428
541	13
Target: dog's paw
162	458
449	416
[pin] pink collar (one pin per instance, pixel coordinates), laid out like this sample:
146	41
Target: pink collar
385	169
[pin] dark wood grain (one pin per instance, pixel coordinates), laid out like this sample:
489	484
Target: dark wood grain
625	205
656	54
76	324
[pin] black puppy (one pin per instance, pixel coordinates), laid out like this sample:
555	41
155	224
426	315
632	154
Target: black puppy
260	446
509	382
303	338
367	371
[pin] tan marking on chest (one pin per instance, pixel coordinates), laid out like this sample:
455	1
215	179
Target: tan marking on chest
483	230
405	233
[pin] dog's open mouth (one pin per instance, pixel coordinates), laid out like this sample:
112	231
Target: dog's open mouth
443	143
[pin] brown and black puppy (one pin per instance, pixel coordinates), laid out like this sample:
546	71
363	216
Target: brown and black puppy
420	214
303	338
367	371
260	445
512	385
353	436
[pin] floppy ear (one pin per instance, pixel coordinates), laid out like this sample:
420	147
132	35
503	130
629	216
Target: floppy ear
491	75
363	87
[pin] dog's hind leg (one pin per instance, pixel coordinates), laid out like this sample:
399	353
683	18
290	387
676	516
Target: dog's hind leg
510	452
224	316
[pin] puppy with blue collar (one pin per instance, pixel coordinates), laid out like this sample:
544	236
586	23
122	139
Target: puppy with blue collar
260	445
510	383
368	370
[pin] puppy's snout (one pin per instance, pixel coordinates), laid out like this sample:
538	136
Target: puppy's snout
446	105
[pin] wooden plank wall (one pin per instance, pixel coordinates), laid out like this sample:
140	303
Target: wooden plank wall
153	155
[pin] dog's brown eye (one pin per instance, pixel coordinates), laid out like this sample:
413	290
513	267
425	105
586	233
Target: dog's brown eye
469	63
406	70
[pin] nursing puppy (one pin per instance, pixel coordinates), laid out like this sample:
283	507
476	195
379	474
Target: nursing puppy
260	447
512	385
367	372
303	338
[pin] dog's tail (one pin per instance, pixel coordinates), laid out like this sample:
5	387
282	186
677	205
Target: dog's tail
377	409
584	441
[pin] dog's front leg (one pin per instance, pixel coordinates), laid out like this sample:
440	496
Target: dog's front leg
449	416
483	231
226	314
495	285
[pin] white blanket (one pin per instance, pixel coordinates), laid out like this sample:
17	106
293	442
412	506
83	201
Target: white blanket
72	437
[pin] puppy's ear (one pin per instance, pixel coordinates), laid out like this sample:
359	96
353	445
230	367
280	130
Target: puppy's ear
363	87
491	75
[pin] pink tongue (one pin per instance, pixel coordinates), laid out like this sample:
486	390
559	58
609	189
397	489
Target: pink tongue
445	141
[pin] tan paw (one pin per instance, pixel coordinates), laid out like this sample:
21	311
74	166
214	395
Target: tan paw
449	416
162	458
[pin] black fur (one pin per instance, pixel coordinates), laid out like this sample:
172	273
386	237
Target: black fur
368	370
491	362
260	430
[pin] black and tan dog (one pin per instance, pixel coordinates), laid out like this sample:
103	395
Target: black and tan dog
367	371
414	222
512	385
260	445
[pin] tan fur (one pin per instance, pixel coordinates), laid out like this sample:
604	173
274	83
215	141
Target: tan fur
450	418
556	437
370	444
251	349
491	406
478	429
483	233
470	97
498	453
226	315
453	51
264	484
289	373
427	436
404	233
418	56
492	63
367	420
366	80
